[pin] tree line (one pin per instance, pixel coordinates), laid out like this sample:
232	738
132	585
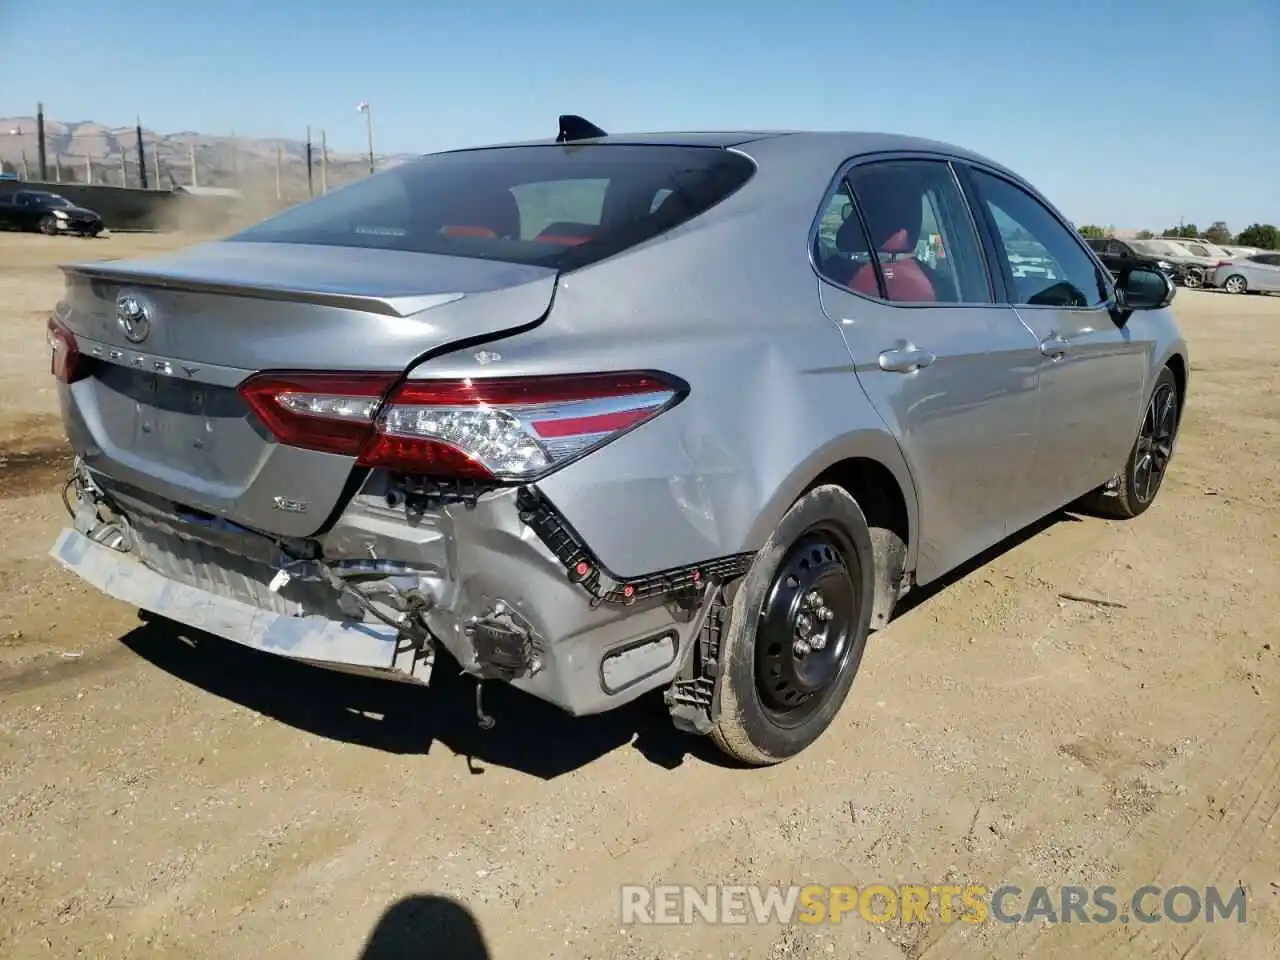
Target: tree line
1264	236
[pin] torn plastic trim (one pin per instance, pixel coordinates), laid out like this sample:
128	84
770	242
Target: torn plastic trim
687	582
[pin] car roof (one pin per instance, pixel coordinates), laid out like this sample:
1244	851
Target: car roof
838	143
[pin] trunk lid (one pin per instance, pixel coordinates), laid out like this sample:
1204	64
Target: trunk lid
174	336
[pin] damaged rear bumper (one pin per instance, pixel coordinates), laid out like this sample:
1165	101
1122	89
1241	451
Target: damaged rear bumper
370	646
506	590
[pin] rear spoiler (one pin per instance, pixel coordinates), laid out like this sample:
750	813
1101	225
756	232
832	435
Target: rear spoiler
140	275
573	127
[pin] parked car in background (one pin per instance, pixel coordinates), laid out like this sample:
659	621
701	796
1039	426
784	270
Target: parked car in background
1192	268
1237	252
1259	273
1200	248
49	213
502	419
1119	254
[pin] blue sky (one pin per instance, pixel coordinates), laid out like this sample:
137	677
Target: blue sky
1126	112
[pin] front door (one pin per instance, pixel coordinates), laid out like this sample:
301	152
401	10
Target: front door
951	372
1093	374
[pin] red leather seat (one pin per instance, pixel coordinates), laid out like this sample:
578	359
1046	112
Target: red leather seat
463	230
566	233
488	213
893	216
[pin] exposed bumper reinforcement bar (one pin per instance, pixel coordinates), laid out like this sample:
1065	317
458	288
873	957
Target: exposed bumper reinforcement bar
317	639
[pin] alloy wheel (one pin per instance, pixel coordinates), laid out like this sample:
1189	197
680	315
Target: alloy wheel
1155	443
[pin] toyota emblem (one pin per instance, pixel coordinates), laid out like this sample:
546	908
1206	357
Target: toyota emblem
134	317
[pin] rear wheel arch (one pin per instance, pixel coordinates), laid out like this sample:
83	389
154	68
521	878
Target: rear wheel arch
1178	364
877	491
870	467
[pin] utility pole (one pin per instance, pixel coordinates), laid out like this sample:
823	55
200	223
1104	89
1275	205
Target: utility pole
155	161
88	169
310	188
44	165
195	177
367	110
235	161
142	156
57	167
324	164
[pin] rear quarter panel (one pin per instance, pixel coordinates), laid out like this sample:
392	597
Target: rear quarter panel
730	304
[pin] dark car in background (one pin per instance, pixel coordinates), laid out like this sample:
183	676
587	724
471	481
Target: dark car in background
1118	254
50	213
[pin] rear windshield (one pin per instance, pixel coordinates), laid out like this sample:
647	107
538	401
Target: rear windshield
559	205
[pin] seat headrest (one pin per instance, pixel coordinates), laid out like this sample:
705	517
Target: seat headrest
568	232
494	209
892	207
850	238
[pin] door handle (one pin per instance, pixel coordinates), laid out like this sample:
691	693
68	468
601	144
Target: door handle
1055	346
905	360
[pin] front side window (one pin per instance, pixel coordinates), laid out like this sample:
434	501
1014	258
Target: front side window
1198	250
556	205
1047	266
920	232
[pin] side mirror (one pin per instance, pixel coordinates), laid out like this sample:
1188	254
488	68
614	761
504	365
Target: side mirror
1141	286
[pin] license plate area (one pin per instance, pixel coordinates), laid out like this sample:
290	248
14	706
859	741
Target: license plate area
196	428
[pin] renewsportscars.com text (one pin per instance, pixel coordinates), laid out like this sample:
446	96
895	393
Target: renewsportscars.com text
944	903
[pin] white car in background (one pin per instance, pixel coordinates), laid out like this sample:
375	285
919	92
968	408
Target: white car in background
1259	273
1195	265
1238	252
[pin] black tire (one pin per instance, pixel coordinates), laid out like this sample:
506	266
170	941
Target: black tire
1156	440
49	225
1194	278
822	547
1235	284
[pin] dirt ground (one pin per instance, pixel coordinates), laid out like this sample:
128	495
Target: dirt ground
168	797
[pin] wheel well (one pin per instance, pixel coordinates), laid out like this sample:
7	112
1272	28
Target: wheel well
1179	367
876	490
883	504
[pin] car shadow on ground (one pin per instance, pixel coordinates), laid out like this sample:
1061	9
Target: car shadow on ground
922	595
426	927
405	718
530	736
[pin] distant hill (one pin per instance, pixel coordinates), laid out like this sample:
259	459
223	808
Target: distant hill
243	162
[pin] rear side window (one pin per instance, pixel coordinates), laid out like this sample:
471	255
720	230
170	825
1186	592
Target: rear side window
925	245
556	205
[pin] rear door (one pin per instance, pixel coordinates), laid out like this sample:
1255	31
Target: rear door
951	372
1092	372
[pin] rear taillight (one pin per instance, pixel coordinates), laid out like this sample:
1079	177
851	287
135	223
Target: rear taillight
331	413
1224	263
66	362
507	429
